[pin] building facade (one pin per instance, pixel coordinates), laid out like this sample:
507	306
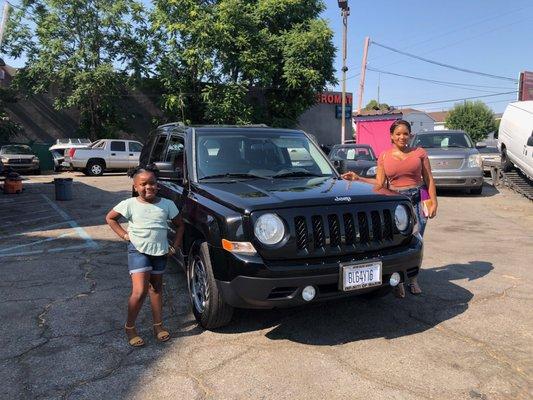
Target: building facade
323	120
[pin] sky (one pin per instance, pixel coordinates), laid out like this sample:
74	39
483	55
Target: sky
489	36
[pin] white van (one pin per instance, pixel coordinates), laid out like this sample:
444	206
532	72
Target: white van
515	137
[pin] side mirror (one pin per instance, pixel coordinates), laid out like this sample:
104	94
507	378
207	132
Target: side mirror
530	141
480	145
168	171
340	166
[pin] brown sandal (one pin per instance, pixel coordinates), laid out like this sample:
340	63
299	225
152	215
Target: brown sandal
399	291
414	288
135	341
163	335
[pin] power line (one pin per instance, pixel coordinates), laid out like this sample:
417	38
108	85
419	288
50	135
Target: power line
450	100
445	83
444	65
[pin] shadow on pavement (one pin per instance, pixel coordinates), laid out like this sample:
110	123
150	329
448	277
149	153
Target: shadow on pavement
488	191
354	319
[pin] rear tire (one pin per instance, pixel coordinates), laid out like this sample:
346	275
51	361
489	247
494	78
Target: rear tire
208	306
95	168
506	164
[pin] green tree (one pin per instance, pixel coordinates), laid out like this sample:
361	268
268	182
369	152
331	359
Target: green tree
8	128
83	51
475	118
374	105
241	61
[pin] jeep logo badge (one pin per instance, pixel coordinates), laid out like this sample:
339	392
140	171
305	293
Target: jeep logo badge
343	198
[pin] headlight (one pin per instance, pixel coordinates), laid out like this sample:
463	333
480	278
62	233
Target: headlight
401	218
4	159
35	159
474	161
269	229
372	171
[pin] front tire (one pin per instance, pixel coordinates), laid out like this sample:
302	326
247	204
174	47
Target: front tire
506	164
208	306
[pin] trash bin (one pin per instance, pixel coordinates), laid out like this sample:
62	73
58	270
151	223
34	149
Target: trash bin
63	188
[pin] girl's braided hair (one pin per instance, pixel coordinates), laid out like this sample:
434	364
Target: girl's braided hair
132	172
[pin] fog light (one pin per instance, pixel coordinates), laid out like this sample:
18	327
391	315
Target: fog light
308	293
394	279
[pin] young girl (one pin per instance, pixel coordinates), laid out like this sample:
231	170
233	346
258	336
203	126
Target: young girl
148	248
405	170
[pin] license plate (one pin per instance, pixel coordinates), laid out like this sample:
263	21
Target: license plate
360	276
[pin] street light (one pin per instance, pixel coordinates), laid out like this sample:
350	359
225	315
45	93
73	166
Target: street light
345	11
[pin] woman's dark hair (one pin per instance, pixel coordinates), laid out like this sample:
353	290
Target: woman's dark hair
132	172
399	122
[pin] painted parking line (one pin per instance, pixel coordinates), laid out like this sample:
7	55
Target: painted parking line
68	221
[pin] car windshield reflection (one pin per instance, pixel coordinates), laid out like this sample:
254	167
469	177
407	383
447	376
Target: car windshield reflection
258	155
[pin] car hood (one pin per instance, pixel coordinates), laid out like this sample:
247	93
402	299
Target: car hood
450	152
361	164
258	194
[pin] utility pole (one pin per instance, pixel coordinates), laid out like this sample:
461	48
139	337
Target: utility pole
363	73
5	15
345	11
379	82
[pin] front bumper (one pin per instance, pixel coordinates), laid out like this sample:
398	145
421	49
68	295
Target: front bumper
284	286
21	167
470	178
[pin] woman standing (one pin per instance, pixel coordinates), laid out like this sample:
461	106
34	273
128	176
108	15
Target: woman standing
405	170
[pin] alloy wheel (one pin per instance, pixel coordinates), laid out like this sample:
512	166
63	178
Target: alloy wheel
198	285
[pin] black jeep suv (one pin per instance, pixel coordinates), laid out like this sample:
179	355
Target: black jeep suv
270	223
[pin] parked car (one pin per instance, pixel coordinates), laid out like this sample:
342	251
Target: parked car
263	231
455	161
515	137
104	155
359	158
20	158
490	156
58	150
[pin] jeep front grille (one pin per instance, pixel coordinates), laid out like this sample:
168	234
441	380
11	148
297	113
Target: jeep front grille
352	229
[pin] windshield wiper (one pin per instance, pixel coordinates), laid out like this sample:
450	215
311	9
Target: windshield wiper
457	145
295	173
234	175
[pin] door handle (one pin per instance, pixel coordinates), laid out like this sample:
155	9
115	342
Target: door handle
131	154
113	154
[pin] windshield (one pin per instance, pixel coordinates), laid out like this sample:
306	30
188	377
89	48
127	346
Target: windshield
443	140
258	155
352	153
15	150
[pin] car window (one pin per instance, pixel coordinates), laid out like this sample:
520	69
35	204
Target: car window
14	149
118	146
352	153
443	140
158	153
265	154
135	147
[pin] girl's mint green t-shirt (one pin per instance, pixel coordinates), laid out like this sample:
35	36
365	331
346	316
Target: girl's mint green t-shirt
148	224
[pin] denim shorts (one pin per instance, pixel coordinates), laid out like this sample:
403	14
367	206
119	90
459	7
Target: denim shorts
414	196
140	262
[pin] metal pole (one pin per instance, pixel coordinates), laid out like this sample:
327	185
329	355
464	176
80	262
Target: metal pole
5	15
345	13
363	73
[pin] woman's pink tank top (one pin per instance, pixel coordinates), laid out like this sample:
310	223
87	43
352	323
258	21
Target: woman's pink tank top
406	172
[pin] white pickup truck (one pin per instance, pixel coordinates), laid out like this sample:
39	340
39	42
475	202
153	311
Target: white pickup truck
104	155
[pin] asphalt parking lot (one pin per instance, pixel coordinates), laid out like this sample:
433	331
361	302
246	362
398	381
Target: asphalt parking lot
64	286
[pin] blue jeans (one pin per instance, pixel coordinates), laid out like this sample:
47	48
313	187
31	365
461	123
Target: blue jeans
414	195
